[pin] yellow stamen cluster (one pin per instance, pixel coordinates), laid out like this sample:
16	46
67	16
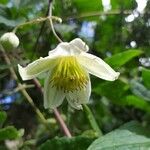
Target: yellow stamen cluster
68	74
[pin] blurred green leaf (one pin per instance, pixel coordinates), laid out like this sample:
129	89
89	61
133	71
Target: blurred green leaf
121	95
132	100
2	147
3	1
11	23
146	77
9	133
4	66
64	143
86	6
3	117
129	4
105	89
131	136
122	58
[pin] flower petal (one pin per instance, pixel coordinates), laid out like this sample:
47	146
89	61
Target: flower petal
35	68
52	96
97	67
79	44
62	49
75	47
78	97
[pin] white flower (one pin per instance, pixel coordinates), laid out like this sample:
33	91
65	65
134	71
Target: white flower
9	40
68	67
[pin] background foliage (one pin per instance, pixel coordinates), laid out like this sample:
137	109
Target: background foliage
119	34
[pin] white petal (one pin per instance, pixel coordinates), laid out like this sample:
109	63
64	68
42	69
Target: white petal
78	97
75	47
63	49
35	68
79	44
52	96
97	67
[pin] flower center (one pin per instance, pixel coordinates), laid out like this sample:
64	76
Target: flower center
68	74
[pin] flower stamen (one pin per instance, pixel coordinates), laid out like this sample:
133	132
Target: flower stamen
68	75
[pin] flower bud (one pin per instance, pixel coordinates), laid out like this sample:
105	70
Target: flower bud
9	40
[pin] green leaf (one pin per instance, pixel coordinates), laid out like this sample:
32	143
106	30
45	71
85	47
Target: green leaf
3	117
64	143
9	133
122	58
146	77
131	136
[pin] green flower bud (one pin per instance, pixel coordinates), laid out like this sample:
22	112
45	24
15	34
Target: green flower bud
9	40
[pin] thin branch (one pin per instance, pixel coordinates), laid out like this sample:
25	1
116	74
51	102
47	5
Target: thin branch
101	13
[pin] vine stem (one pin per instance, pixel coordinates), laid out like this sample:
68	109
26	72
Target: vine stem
29	99
35	21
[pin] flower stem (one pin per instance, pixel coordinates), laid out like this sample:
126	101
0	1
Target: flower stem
63	125
51	23
92	120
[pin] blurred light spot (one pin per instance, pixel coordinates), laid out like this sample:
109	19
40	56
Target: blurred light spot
145	62
87	30
141	4
106	5
133	44
130	18
39	6
148	23
108	54
5	99
10	4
